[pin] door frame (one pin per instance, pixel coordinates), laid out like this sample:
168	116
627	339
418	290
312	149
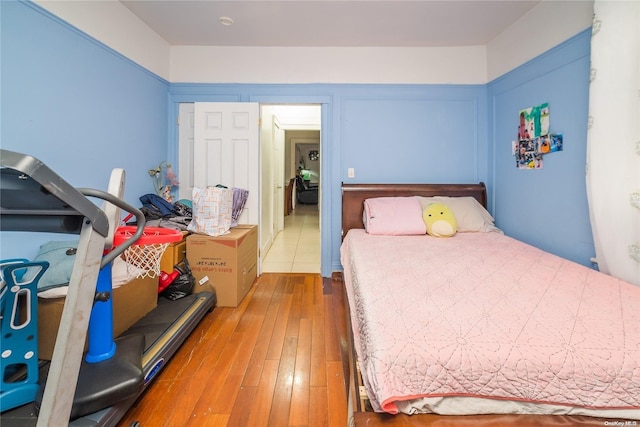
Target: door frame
278	179
325	103
268	119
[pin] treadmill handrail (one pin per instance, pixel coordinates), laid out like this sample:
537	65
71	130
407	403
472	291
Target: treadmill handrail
140	221
54	184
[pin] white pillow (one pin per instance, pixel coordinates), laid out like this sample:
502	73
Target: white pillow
470	215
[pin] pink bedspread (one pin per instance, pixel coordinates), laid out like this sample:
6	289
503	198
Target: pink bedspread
484	315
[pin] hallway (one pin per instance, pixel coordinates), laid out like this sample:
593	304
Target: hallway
296	249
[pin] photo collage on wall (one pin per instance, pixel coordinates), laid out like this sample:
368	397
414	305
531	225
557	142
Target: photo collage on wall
534	139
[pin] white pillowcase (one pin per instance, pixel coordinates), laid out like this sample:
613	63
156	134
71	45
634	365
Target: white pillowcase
470	215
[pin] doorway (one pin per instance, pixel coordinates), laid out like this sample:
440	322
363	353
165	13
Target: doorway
277	163
290	146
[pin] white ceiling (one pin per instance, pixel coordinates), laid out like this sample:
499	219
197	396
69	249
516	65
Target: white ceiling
324	23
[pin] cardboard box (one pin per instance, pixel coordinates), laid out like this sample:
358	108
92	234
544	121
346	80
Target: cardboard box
131	302
227	264
174	253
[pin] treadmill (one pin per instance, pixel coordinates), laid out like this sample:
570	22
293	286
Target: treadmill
72	391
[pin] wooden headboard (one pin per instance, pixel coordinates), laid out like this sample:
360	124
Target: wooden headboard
354	195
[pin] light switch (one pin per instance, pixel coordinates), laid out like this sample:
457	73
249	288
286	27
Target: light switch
351	173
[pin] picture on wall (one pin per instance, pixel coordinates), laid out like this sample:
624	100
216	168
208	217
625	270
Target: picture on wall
534	139
550	144
534	122
544	144
527	153
556	143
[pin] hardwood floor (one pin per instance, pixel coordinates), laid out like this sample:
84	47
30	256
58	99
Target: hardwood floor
276	360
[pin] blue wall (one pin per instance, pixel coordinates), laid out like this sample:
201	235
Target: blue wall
388	133
546	207
84	109
78	106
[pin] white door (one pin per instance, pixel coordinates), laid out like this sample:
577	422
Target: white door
226	150
185	150
278	177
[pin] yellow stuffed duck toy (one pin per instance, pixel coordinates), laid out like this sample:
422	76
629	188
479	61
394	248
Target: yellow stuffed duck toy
440	220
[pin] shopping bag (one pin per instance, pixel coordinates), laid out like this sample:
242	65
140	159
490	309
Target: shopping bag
240	197
212	210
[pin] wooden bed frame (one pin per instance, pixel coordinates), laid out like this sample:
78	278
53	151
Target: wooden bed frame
353	197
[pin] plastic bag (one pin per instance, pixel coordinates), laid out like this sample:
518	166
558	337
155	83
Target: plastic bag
181	285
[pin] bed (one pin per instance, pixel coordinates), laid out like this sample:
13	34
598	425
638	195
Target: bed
480	323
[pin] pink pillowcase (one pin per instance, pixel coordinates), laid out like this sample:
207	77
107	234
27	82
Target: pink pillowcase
393	216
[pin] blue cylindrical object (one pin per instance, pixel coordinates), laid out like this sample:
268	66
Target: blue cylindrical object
101	344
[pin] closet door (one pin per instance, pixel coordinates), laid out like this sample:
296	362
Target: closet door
224	151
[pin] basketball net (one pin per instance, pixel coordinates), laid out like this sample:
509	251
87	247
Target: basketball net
144	260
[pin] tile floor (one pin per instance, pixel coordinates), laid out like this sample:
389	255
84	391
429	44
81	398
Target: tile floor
296	249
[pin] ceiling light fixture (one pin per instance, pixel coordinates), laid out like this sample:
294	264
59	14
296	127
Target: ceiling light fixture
225	20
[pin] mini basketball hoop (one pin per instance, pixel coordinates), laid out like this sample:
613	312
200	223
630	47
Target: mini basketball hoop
145	254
